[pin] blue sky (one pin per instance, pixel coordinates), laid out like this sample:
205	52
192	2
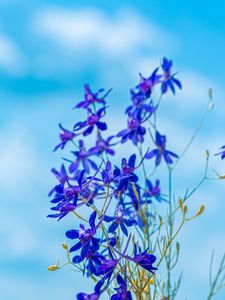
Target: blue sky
48	49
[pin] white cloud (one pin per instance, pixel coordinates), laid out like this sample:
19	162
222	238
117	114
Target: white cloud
18	162
91	29
11	60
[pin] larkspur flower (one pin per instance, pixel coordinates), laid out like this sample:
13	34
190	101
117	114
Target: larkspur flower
96	250
92	260
169	81
161	152
84	296
82	157
65	195
90	192
93	296
92	98
119	220
107	267
146	84
62	210
122	292
126	175
139	105
109	174
102	146
93	119
61	176
222	152
135	131
65	136
153	191
144	259
85	236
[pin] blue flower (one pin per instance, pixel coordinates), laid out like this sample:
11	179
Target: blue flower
126	174
61	176
65	136
161	152
146	84
65	197
107	268
93	119
85	236
92	260
135	131
63	209
82	156
153	191
144	259
84	296
92	98
108	174
169	80
222	153
92	296
140	107
102	146
119	220
122	292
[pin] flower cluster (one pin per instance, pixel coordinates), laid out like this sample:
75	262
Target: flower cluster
119	203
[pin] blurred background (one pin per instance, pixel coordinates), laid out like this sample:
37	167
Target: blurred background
48	50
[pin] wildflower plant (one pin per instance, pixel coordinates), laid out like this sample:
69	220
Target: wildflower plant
127	240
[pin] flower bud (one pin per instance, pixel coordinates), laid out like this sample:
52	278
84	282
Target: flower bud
64	245
181	203
53	268
201	210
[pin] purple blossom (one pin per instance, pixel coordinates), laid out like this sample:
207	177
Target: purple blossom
60	175
128	168
82	156
92	98
122	292
222	153
125	175
107	267
92	296
145	260
139	105
65	198
85	236
84	296
119	220
68	196
102	146
65	136
135	131
63	210
161	152
93	119
153	191
169	80
92	259
146	84
109	174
